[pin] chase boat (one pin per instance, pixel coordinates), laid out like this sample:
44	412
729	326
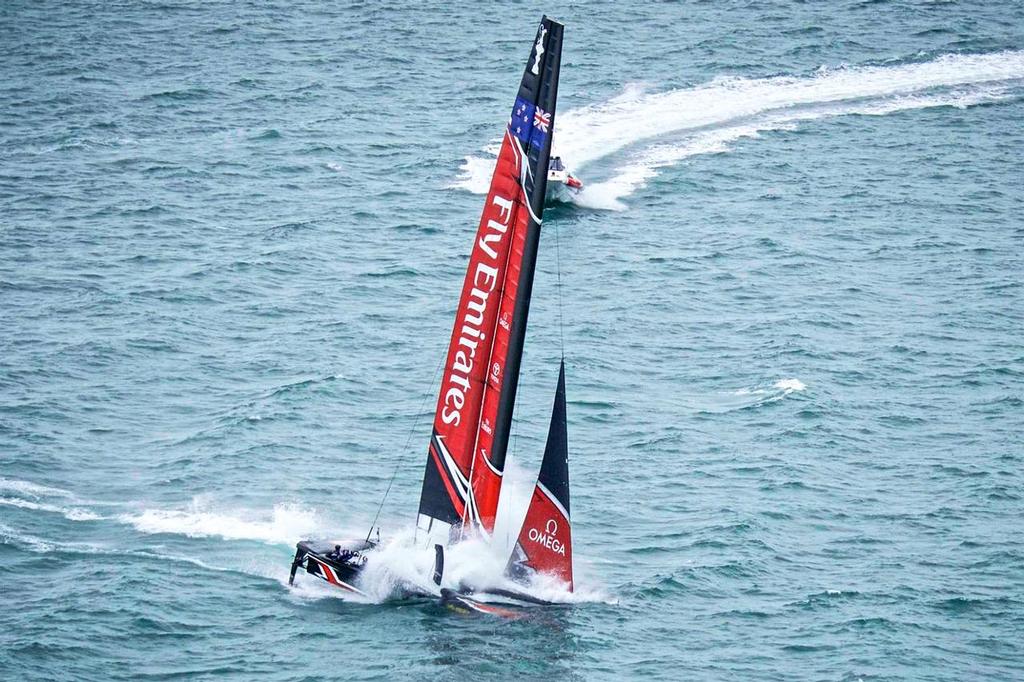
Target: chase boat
559	176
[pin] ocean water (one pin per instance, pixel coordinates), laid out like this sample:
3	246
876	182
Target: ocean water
792	294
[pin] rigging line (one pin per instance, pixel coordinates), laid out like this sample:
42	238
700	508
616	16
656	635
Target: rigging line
558	286
412	431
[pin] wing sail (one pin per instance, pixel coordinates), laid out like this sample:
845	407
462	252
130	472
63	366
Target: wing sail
466	454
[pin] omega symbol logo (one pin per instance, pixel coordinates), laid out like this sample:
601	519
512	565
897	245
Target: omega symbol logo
547	538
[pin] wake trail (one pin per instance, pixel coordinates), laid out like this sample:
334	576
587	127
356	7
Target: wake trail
38	545
648	131
70	513
283	525
33	490
398	563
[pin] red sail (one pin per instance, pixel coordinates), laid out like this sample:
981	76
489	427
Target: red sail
479	343
545	541
485	473
466	454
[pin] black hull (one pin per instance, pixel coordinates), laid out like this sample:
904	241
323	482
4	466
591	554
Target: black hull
464	603
316	559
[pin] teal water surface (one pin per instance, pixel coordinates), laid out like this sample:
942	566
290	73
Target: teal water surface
231	240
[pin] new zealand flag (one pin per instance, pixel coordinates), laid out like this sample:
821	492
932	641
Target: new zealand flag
522	119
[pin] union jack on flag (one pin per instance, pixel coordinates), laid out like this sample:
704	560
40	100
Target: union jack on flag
541	119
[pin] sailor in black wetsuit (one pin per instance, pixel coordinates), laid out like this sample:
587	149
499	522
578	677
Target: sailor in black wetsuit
340	555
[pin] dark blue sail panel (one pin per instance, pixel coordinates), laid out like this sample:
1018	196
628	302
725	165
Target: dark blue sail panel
554	470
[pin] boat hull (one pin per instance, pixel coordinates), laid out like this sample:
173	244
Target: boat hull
317	560
560	193
562	186
461	603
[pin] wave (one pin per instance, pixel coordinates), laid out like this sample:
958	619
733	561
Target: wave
71	513
778	390
788	386
749	398
11	536
658	130
33	490
48	499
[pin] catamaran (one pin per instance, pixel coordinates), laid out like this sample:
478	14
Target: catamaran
466	453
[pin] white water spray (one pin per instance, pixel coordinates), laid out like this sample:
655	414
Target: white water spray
285	524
